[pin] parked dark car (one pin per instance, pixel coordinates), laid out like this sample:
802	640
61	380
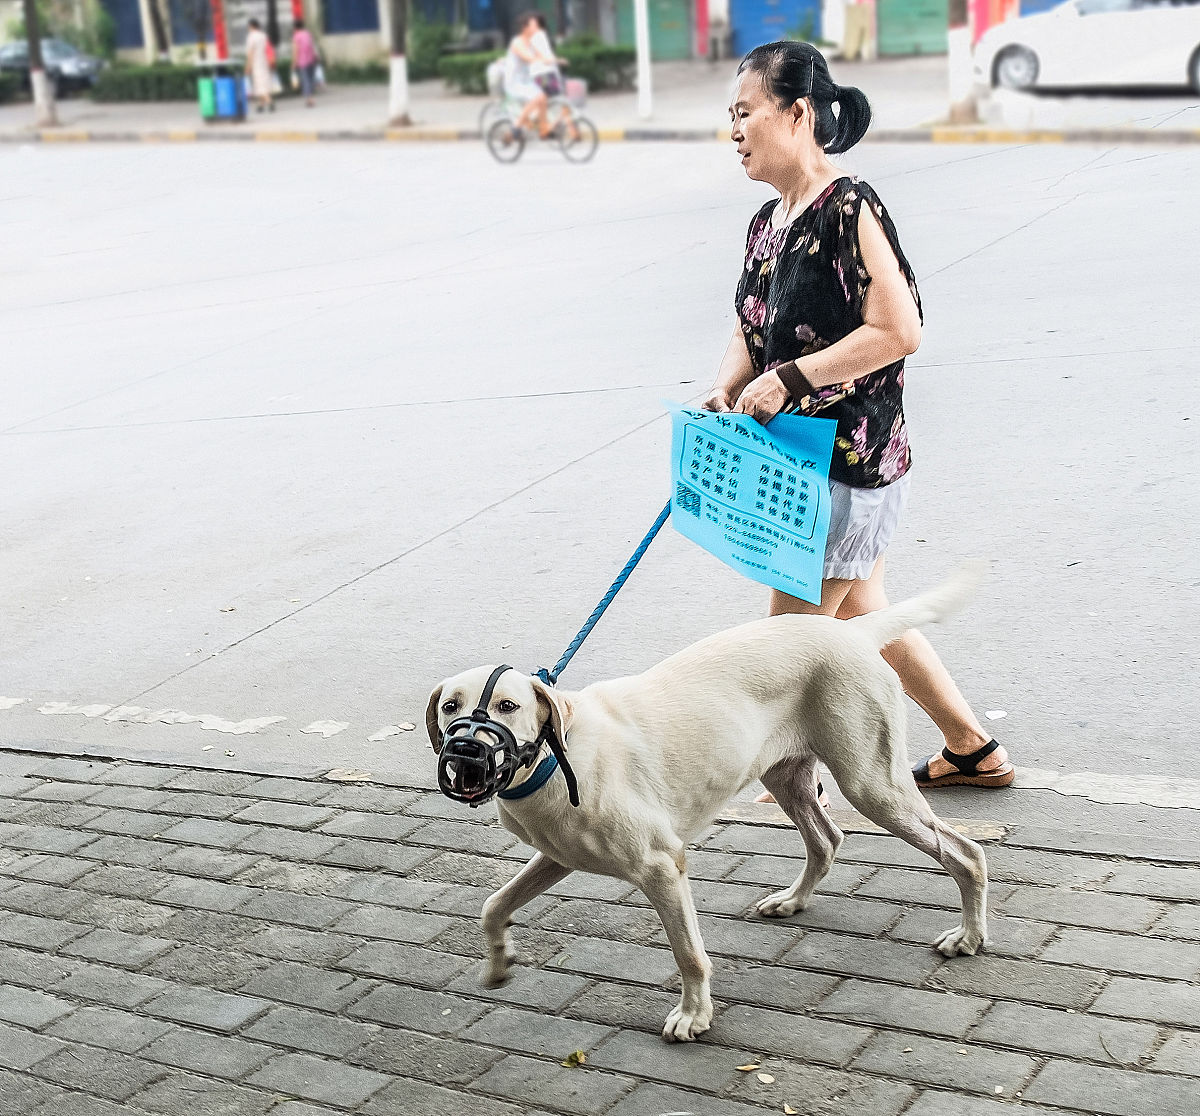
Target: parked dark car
66	66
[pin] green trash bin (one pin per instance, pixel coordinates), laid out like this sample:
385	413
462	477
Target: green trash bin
206	94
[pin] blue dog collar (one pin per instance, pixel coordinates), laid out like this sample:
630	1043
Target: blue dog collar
535	782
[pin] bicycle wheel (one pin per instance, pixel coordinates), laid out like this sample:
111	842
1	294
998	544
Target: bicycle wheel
505	141
490	112
579	139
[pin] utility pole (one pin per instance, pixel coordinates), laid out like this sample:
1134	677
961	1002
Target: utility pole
641	37
398	65
960	69
45	114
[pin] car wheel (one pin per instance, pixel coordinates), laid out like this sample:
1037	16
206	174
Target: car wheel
1194	71
1016	68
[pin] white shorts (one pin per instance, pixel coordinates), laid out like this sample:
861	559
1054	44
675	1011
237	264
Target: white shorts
862	522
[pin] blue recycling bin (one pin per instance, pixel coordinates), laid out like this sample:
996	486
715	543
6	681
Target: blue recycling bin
230	97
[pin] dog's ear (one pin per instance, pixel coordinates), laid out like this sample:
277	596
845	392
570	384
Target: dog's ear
431	719
555	707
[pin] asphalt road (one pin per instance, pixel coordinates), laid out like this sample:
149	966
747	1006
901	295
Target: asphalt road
294	432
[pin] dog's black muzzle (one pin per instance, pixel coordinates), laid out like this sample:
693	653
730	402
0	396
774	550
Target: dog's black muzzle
480	757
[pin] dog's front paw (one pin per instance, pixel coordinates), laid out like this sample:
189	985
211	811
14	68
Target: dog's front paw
685	1026
499	962
783	904
959	941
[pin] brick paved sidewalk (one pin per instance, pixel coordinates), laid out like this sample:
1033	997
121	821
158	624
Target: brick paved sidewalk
178	940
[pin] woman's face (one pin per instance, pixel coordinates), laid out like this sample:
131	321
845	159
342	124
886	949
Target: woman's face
765	135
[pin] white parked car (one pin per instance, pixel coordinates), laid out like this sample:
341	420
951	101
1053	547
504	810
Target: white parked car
1095	42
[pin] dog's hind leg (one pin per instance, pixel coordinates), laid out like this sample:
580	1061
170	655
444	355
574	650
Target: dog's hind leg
540	873
793	783
887	795
664	881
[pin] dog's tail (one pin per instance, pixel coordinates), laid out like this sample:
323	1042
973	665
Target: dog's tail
891	623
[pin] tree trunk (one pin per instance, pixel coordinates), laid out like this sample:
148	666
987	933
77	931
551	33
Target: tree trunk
398	69
272	28
158	24
44	113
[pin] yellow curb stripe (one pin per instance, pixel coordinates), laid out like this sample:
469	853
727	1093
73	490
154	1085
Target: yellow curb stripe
611	135
423	135
63	135
286	137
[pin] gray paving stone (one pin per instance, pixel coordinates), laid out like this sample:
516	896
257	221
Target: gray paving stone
33	970
129	916
404	963
113	1030
817	1090
30	1008
691	1065
71	770
578	885
443	1061
142	799
214	864
1180	1054
290	815
381	827
11	786
593	919
39	933
102	1072
130	883
417	1009
625	1006
321	880
1113	1092
883	849
543	989
1162	1001
930	889
51	791
212	782
136	775
45	838
879	959
534	946
373	799
42	899
936	1103
110	986
1007	937
297	845
1155	881
1125	953
290	943
191	804
439	806
1051	869
205	831
528	1032
1117	843
294	983
704	864
970	1068
1180	922
128	823
1052	985
222	969
211	928
308	911
938	1013
719	897
490	872
486	840
20	1094
869	917
401	926
770	985
529	1081
310	1031
288	790
316	1079
299	1108
1069	1034
20	1049
416	1098
80	1104
655	1100
215	1055
761	839
464	900
1081	908
181	1094
753	939
59	816
115	948
376	855
14	863
597	957
55	869
762	1030
203	1007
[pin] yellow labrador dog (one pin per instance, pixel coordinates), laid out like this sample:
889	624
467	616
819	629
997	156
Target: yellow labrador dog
657	755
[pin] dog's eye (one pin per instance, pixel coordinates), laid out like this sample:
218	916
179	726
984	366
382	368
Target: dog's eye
507	706
450	706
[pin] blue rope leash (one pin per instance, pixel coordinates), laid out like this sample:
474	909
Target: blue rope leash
550	677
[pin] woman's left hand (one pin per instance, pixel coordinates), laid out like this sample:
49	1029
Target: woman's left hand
764	397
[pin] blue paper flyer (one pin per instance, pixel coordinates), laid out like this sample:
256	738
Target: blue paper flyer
757	497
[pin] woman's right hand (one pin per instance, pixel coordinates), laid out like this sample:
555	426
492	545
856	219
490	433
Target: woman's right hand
718	400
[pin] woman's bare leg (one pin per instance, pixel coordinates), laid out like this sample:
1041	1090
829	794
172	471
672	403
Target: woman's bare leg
925	679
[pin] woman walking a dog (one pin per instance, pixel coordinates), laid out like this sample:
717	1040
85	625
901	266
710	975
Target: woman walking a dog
827	310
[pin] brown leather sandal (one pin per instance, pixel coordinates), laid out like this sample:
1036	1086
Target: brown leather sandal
967	773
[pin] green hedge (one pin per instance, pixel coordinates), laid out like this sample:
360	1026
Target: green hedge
10	87
162	82
601	65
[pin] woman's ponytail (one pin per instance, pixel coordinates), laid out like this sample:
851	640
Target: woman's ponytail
853	119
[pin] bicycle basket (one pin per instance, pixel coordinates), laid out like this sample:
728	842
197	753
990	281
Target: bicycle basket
495	78
576	91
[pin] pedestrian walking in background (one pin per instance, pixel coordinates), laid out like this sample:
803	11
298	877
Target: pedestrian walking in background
304	60
828	309
258	65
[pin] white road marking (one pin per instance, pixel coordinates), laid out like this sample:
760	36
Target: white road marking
9	703
326	728
65	709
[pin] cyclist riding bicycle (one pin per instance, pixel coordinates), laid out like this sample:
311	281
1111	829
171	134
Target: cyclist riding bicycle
519	82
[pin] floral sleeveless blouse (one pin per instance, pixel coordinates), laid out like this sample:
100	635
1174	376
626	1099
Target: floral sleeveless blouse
802	289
